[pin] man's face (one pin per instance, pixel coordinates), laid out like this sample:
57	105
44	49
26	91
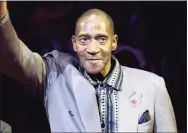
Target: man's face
93	43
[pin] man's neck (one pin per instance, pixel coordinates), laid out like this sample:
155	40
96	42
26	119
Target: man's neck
106	69
101	76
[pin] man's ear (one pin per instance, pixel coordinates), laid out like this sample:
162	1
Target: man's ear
114	42
74	43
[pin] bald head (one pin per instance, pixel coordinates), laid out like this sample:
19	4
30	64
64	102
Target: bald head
97	13
94	41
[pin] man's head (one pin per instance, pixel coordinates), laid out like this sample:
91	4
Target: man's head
94	41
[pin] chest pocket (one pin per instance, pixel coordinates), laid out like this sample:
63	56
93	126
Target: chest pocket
146	127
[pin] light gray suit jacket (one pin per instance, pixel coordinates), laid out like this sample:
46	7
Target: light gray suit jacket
151	94
67	92
4	127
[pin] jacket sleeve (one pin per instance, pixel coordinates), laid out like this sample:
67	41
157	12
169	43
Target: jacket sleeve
164	114
18	61
5	128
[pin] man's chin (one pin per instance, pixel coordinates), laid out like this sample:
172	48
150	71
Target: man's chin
93	71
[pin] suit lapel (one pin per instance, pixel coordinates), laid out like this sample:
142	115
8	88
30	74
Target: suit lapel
86	102
129	101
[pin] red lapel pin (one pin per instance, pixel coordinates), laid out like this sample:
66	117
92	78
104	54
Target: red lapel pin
133	102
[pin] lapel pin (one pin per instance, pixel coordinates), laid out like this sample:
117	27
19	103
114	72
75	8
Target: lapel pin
133	102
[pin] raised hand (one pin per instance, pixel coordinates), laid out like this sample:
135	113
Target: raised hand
3	9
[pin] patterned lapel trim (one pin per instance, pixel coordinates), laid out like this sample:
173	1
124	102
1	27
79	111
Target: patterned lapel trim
116	77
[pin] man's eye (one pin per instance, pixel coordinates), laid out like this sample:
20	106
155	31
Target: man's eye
83	39
102	39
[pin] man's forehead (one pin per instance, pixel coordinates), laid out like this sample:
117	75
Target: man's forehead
93	24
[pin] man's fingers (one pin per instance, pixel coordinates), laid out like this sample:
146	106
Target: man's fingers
3	8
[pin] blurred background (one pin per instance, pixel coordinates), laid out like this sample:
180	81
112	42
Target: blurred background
152	37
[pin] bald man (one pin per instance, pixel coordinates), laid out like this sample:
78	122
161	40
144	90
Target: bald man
94	93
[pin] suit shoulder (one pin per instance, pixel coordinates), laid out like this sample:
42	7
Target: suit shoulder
142	78
140	74
55	54
57	60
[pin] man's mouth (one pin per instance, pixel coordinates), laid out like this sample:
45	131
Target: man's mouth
93	59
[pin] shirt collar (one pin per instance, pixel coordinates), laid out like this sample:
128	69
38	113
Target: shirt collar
116	76
114	79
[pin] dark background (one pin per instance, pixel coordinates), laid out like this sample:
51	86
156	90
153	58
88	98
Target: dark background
157	29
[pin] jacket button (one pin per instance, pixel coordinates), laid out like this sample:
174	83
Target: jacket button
102	85
71	113
103	125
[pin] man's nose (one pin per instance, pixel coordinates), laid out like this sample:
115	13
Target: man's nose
93	48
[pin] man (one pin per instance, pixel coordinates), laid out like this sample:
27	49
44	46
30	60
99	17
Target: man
95	94
4	127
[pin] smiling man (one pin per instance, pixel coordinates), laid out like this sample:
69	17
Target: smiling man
94	93
94	41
